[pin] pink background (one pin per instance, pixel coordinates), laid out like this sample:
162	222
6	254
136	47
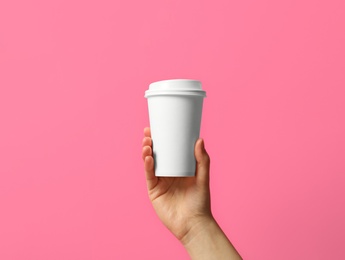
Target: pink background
72	81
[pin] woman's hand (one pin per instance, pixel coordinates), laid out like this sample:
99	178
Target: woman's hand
183	205
180	202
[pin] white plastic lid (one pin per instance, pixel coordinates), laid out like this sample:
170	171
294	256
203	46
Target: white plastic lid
175	87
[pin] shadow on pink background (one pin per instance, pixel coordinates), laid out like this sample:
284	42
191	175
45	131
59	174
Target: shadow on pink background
72	110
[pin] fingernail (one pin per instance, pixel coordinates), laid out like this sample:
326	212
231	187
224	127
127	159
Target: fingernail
202	144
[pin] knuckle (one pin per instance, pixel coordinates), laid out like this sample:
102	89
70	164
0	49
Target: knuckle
207	159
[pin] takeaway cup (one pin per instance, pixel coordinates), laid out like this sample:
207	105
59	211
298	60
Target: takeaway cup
175	108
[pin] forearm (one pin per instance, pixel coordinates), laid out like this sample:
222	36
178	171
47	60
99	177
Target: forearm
206	240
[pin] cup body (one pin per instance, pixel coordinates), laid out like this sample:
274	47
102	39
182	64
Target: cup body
175	110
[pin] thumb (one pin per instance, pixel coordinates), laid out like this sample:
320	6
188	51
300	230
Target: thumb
202	162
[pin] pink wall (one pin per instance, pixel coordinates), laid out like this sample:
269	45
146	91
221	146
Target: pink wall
72	80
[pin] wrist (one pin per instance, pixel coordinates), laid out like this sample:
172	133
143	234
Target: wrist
199	226
206	240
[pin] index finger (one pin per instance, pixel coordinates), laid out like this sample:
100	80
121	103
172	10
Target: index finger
147	132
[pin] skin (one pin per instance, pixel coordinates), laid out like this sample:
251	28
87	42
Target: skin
183	205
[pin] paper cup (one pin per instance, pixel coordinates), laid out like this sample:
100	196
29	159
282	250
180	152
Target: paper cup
175	109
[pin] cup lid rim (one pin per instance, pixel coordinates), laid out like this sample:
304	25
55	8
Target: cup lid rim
150	93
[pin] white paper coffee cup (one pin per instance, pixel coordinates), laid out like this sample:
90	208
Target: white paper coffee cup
175	109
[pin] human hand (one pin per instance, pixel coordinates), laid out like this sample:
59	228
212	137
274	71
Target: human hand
181	203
